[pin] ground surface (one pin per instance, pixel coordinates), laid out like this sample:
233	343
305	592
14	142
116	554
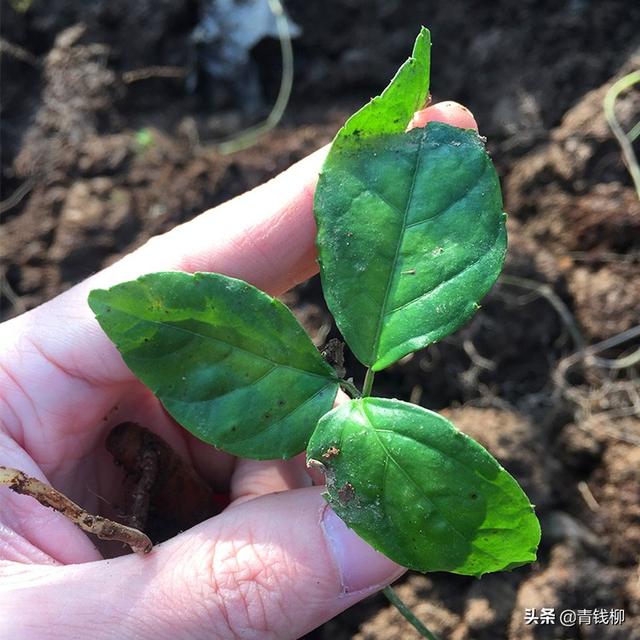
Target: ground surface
92	165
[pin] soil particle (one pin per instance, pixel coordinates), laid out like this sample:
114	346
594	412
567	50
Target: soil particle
528	258
576	149
488	607
90	204
614	290
570	581
616	489
346	492
560	527
79	94
574	196
578	448
331	452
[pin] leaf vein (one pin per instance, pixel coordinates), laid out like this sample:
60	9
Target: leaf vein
448	281
375	192
269	427
196	334
394	264
421	490
461	196
444	453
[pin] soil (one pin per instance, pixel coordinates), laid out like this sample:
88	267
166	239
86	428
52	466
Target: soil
93	164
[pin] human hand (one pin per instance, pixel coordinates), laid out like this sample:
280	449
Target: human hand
276	563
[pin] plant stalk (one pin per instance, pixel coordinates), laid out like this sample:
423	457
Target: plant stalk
350	388
624	140
394	599
368	383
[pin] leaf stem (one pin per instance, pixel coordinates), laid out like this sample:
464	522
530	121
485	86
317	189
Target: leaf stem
395	600
368	383
350	388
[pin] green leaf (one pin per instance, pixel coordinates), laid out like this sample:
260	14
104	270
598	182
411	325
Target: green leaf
391	111
229	363
420	491
411	231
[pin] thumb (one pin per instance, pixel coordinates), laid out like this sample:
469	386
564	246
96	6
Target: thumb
274	567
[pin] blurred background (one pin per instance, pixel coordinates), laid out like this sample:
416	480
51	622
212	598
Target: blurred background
112	115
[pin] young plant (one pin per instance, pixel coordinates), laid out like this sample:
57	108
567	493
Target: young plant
411	235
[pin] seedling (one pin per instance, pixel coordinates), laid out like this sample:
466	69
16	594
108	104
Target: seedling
411	236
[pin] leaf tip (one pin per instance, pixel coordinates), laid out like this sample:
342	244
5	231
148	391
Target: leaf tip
96	299
422	47
423	35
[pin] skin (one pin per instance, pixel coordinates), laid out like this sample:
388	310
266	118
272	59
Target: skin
275	564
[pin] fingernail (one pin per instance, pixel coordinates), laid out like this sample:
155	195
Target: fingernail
360	566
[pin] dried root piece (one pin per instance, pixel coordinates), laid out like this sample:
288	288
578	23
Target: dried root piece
46	495
165	494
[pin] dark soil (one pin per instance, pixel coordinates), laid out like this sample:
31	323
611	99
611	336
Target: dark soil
93	165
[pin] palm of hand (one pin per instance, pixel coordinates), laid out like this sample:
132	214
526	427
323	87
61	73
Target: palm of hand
65	385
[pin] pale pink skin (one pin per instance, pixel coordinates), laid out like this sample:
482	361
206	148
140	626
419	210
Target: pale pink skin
275	564
448	112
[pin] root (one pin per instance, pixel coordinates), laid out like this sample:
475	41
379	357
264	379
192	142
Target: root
554	300
248	137
103	528
604	392
136	75
16	197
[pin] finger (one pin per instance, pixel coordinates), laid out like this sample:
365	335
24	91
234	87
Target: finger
30	532
254	478
265	236
214	465
449	112
274	567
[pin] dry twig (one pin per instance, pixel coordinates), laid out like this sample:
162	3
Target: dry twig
18	52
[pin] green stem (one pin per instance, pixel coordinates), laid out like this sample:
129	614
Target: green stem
368	383
623	139
393	598
350	388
